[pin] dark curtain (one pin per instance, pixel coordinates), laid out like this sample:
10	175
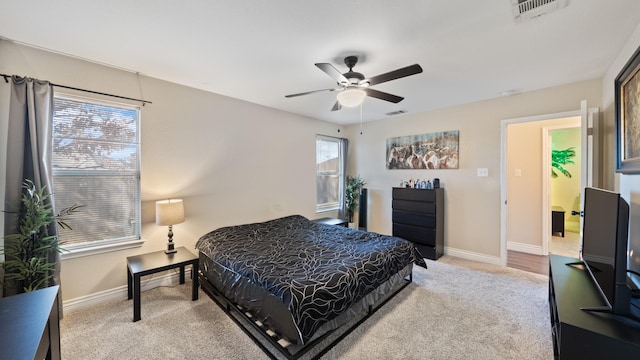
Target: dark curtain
344	147
29	151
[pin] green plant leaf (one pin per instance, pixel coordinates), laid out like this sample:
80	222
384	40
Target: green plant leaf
27	251
560	158
354	184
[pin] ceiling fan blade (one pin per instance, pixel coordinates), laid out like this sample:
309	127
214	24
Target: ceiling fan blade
307	93
384	96
333	72
336	106
395	74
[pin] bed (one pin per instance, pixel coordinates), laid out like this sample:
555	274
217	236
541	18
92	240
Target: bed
296	280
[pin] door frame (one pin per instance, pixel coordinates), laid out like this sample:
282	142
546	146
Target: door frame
503	170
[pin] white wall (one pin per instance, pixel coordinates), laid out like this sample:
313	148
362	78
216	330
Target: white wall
235	162
472	203
627	185
231	161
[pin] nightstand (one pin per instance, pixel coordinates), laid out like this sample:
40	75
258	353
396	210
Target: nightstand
557	220
147	264
332	221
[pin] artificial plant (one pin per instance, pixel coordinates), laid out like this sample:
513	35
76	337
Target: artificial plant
354	184
27	252
559	158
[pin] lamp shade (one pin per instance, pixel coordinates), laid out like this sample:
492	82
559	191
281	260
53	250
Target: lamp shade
169	212
351	97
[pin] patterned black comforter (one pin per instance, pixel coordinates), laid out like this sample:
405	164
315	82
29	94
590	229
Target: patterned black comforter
317	270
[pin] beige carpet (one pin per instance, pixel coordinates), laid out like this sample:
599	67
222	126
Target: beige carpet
456	309
569	245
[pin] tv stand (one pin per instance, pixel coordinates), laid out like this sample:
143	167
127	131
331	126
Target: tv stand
579	334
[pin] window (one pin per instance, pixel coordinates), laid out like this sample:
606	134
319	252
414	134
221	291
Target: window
329	173
96	152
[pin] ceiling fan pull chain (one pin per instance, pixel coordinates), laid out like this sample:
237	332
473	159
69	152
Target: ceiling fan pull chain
361	104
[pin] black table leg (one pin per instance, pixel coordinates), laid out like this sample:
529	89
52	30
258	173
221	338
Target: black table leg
136	297
182	274
195	281
129	283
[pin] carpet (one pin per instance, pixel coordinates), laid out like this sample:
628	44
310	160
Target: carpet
455	309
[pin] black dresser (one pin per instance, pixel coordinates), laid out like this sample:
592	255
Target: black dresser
418	216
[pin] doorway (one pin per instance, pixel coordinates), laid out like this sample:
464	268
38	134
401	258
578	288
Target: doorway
526	216
564	151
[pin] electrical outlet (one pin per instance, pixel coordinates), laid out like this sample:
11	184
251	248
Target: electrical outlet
483	172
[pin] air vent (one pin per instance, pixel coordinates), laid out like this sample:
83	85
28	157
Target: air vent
398	112
529	9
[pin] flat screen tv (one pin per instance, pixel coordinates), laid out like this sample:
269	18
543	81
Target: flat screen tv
604	248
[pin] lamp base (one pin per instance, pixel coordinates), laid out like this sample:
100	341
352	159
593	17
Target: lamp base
170	248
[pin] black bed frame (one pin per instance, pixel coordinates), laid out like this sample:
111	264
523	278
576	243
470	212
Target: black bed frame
271	338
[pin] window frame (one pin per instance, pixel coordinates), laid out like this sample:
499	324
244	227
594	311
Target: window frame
88	248
324	208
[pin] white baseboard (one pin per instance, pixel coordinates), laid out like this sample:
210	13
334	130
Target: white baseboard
525	248
469	255
120	293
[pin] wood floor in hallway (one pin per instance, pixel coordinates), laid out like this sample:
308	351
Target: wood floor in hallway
567	245
538	264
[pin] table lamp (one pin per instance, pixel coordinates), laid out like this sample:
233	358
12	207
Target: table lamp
169	212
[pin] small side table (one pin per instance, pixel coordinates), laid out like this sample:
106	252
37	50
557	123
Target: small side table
557	220
147	264
332	221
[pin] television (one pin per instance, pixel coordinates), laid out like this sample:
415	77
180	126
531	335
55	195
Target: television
605	239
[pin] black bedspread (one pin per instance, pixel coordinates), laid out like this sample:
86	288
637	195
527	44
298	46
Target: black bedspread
317	270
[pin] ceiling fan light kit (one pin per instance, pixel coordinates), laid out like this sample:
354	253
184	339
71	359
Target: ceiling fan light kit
351	97
353	87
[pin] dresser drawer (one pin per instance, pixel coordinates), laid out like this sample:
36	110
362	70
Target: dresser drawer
414	194
416	219
415	234
414	206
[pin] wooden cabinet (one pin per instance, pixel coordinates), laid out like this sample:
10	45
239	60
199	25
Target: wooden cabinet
579	334
418	216
557	220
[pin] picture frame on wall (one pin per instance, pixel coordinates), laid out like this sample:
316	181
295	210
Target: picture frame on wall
627	117
438	150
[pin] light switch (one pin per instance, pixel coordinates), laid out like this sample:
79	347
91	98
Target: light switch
518	172
483	172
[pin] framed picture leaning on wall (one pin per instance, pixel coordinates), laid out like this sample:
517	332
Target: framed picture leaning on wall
627	113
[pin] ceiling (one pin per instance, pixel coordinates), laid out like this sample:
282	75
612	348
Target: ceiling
262	50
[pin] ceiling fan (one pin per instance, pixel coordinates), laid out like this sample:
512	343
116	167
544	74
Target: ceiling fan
353	87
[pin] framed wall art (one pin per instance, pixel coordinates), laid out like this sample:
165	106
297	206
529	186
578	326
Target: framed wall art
627	113
426	151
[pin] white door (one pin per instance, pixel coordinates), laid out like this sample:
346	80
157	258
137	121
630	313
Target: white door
589	149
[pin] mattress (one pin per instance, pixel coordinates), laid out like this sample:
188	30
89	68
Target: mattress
298	276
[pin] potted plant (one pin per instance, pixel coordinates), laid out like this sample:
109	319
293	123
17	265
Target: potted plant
559	158
354	184
27	252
